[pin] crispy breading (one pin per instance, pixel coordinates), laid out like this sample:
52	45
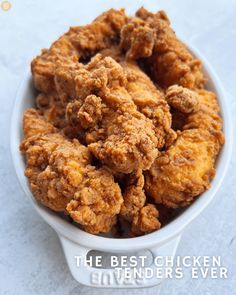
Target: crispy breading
167	58
133	195
150	102
206	116
118	135
143	217
182	99
137	39
62	178
33	124
52	108
146	221
147	97
185	170
78	43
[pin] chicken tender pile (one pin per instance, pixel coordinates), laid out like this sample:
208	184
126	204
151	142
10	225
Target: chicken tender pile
123	131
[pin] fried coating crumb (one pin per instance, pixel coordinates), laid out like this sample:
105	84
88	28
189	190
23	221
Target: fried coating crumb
146	221
182	99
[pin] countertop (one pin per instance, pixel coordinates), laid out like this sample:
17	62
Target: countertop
31	258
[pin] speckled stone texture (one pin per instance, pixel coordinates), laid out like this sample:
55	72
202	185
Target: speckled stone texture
31	258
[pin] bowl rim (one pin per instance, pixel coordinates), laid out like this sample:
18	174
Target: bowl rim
159	237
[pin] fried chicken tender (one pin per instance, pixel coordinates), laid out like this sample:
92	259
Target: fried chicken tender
150	102
143	218
185	170
115	131
77	44
147	97
133	195
168	59
62	178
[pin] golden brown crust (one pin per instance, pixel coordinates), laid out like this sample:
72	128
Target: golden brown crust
79	42
143	217
206	116
62	178
168	59
137	39
182	99
185	170
145	221
133	195
150	102
119	135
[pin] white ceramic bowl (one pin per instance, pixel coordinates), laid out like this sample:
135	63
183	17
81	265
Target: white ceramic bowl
78	242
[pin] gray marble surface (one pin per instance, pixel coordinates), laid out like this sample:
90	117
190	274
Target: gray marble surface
31	258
